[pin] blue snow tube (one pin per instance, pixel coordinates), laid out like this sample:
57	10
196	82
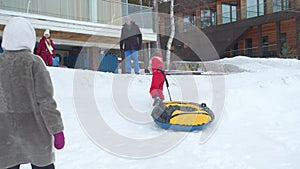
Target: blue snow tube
182	116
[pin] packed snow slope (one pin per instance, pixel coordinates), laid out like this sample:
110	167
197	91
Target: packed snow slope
108	123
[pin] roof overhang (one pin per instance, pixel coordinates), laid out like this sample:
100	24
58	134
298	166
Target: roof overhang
75	33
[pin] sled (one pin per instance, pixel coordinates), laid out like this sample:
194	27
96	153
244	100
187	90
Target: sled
182	116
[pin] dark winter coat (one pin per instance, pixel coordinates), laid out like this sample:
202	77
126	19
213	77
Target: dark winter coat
43	51
131	37
28	115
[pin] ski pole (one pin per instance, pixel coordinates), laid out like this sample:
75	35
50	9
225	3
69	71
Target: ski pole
167	83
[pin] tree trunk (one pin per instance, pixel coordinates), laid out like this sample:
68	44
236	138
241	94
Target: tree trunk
169	44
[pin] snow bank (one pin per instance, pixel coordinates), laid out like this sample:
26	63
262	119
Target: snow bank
258	128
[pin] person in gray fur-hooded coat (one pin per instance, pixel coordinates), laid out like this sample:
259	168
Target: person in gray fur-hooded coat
30	124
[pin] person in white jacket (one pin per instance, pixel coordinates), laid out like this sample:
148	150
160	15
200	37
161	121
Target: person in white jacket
30	124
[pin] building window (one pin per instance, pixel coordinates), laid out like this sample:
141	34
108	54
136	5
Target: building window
280	5
193	19
282	38
229	12
208	17
186	22
248	47
235	49
213	17
255	8
189	21
265	46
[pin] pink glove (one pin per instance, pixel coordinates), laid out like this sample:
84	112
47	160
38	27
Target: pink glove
59	140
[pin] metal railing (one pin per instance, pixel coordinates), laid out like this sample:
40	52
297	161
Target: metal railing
96	11
265	51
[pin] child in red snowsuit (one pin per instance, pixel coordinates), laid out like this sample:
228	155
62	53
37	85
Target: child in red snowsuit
158	79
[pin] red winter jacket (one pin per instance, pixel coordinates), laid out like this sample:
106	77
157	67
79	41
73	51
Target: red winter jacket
43	51
158	78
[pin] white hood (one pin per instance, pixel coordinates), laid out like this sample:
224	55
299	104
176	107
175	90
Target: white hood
18	34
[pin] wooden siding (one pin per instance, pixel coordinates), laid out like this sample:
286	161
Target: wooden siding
270	25
252	33
289	27
269	29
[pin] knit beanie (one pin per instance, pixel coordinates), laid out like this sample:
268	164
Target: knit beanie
47	31
157	53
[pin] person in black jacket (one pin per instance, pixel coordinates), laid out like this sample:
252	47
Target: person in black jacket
131	43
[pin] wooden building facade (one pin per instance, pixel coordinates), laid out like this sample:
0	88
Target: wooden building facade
257	28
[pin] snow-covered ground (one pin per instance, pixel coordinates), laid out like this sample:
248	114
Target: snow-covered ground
108	124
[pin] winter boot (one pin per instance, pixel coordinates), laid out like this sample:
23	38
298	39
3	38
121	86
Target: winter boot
157	101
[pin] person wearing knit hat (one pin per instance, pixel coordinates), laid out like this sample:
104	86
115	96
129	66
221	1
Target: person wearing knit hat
30	124
158	78
46	48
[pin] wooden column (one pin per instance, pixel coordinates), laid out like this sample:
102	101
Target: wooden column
243	9
180	22
269	6
198	17
293	4
219	13
297	3
298	36
278	38
93	53
260	43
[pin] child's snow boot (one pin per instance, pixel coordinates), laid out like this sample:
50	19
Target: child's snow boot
157	101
